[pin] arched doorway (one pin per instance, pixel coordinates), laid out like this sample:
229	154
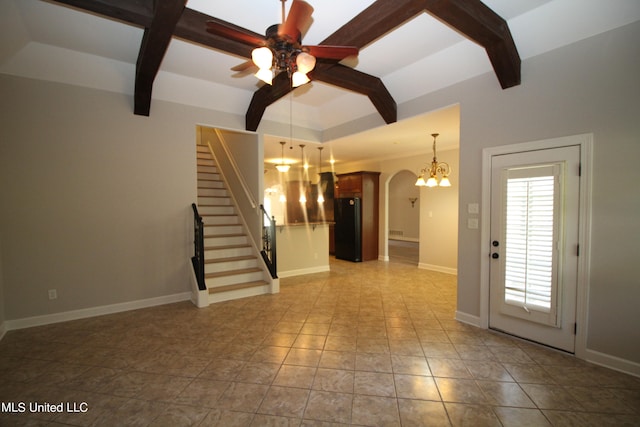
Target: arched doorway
403	218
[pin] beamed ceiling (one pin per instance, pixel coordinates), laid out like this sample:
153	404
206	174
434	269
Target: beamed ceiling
162	20
409	49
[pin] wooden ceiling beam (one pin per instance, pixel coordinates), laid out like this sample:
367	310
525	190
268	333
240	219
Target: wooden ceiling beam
357	81
479	23
155	43
471	18
381	17
191	26
265	96
336	75
137	12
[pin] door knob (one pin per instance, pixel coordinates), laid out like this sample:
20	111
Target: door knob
495	255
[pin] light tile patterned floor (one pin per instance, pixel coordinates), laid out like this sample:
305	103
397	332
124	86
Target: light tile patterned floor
370	344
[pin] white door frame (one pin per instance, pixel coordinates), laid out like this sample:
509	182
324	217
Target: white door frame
585	142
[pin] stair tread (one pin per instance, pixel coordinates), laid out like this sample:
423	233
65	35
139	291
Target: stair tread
224	235
232	272
226	288
222	247
231	258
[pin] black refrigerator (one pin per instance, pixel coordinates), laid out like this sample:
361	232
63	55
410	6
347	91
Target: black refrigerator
348	229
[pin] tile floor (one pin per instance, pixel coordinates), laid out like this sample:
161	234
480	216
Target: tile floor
371	344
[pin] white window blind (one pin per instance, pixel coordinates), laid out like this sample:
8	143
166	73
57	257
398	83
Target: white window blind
530	241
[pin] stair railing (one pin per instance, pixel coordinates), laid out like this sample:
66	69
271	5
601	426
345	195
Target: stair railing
268	251
198	244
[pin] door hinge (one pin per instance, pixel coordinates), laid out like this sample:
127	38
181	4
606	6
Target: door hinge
575	329
580	169
578	249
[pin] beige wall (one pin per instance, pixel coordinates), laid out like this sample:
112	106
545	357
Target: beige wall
302	249
94	201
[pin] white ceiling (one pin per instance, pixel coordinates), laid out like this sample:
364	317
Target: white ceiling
49	41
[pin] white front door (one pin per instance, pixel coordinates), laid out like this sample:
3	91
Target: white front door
535	207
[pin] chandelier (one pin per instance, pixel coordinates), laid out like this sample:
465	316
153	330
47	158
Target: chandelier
434	170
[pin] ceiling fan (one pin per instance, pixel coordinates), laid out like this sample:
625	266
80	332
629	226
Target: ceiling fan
281	49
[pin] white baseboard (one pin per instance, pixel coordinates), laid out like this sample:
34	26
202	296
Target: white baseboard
65	316
468	319
438	268
302	271
592	356
613	362
405	239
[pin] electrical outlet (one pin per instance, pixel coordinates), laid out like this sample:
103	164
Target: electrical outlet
53	294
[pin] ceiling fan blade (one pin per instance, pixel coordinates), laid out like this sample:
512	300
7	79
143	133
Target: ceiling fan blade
244	69
298	19
243	66
233	32
332	52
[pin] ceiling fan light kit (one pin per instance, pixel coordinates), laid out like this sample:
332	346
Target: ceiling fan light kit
262	57
281	50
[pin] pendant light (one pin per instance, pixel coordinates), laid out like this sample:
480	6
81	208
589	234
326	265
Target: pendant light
303	187
320	195
282	167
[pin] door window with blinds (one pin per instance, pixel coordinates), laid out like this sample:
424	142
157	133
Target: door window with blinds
532	228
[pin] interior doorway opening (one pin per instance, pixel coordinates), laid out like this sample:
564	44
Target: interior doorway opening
404	218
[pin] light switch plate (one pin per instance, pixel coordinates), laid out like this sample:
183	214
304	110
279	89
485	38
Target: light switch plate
473	208
472	223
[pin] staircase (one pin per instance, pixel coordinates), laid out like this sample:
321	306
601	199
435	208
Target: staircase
233	267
